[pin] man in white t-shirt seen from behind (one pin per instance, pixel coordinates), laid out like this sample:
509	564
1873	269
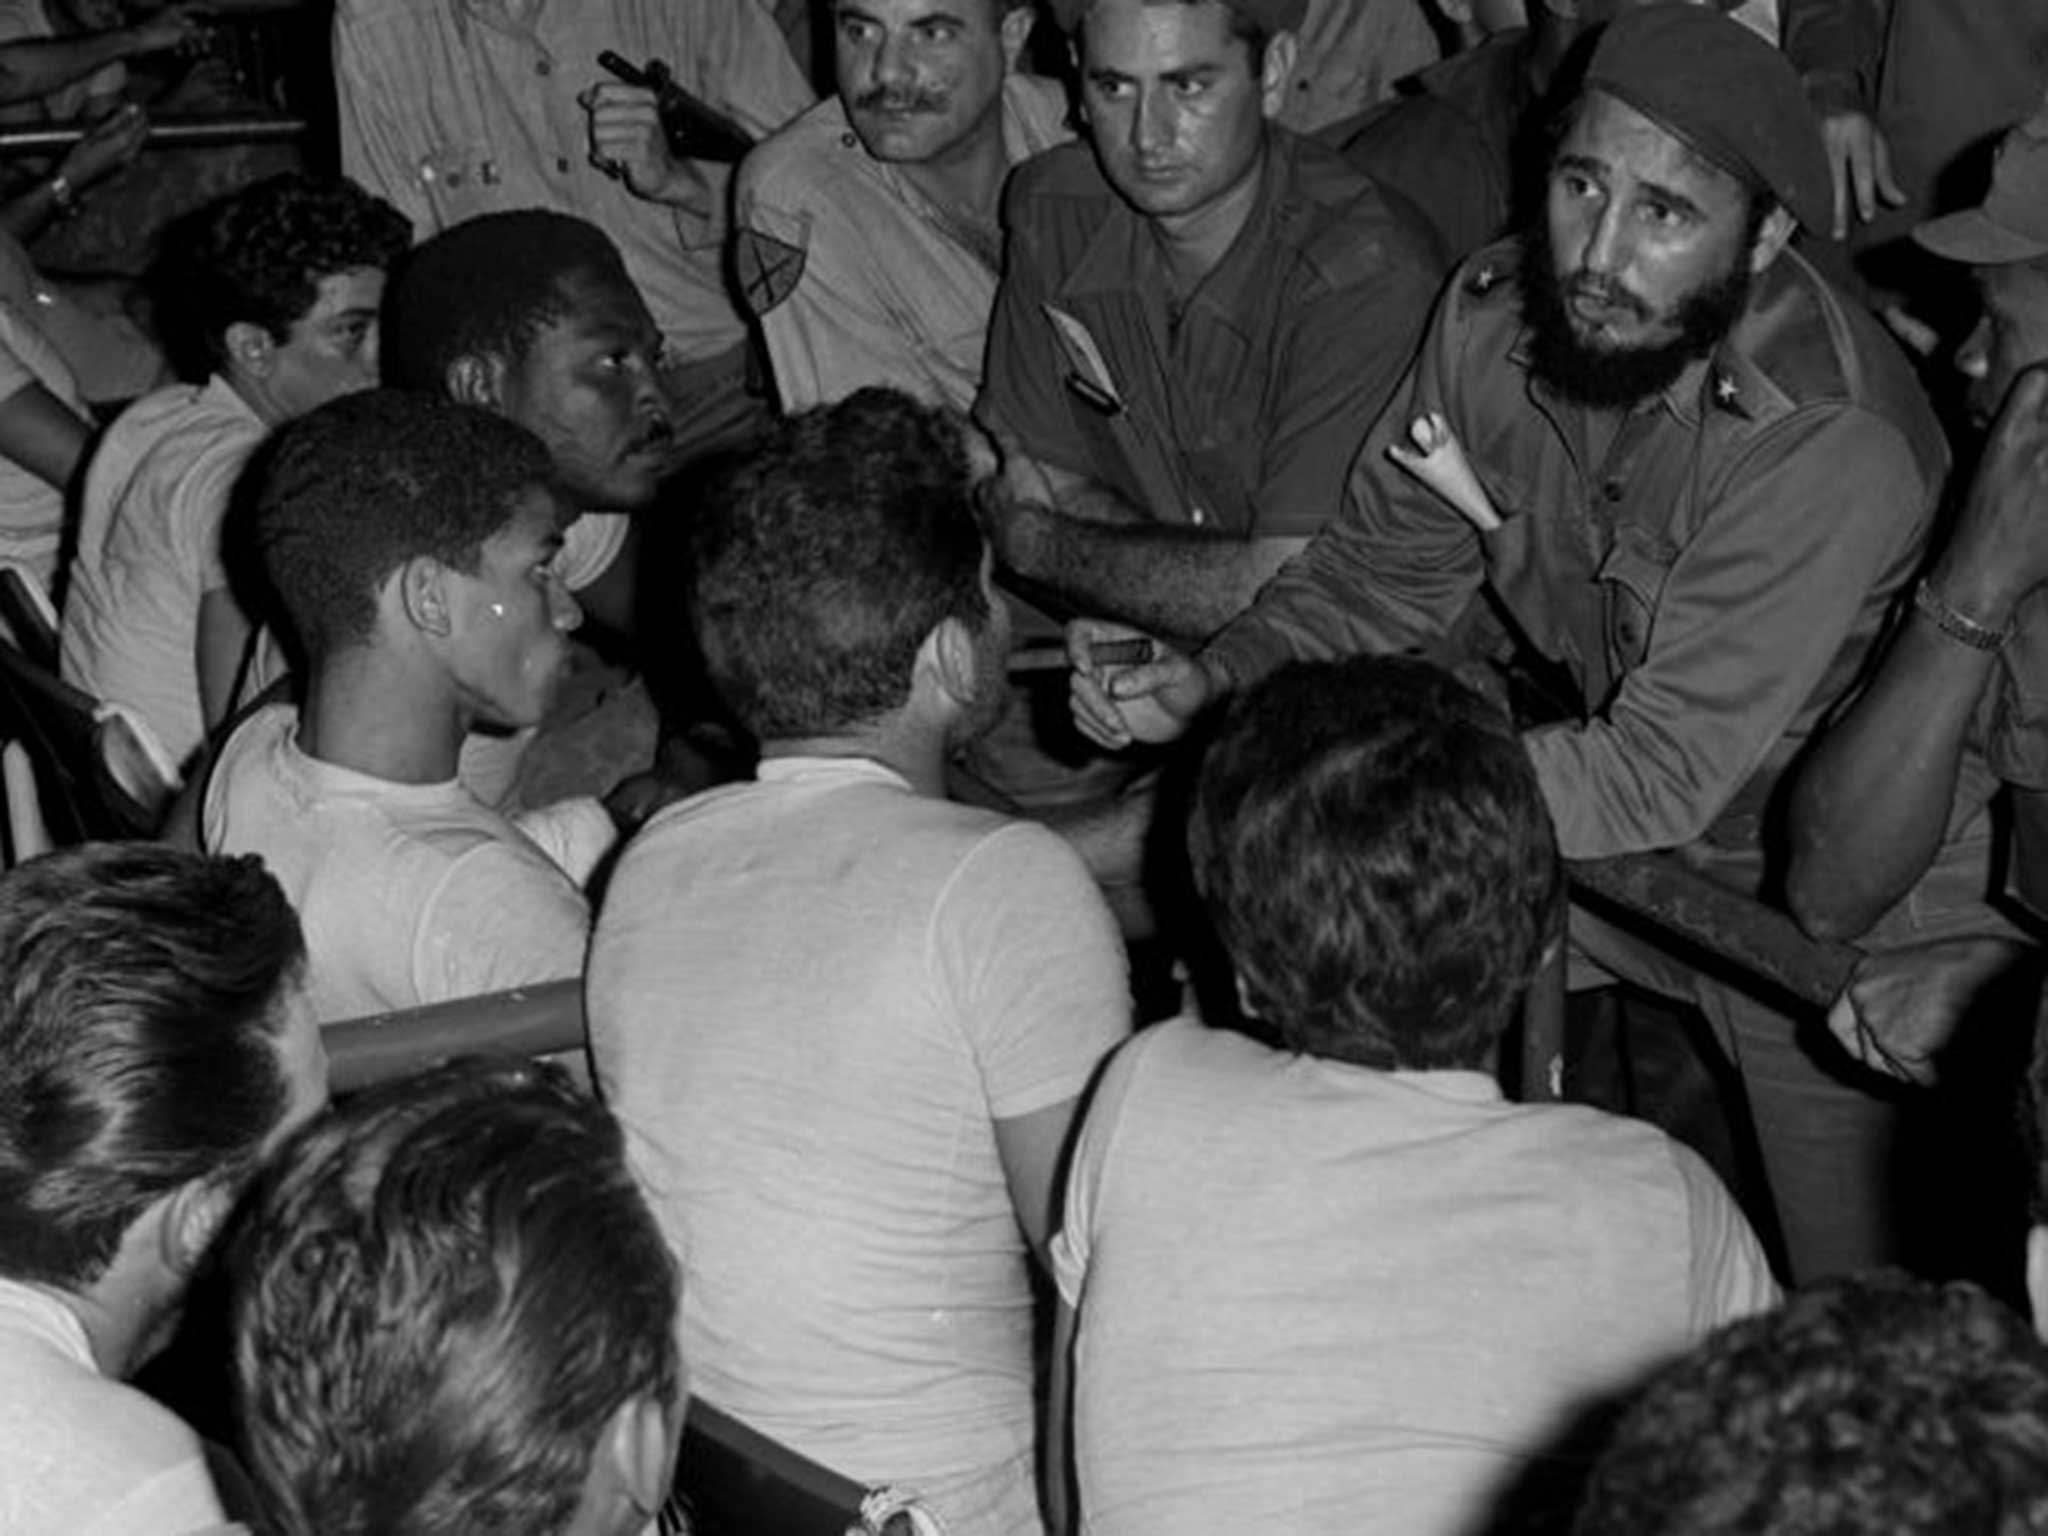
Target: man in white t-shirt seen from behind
1327	1278
410	543
846	1020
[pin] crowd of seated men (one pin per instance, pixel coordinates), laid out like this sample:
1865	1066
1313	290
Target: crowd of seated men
1088	617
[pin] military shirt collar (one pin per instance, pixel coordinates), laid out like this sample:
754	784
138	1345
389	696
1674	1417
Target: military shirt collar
1123	259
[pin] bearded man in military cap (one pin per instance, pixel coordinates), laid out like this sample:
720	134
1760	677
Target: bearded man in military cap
1698	478
1201	314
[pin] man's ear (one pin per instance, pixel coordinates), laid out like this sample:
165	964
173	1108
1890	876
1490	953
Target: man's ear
423	593
476	380
2037	1278
637	1448
1281	51
1016	32
951	651
1245	1005
193	1214
1778	228
250	348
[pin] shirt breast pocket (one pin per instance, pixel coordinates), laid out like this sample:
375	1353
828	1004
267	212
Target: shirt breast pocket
1632	579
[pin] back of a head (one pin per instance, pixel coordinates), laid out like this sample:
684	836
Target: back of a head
826	553
1371	844
257	256
485	288
139	1016
341	497
444	1291
1876	1405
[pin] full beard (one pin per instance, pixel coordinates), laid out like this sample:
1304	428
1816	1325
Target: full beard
1612	378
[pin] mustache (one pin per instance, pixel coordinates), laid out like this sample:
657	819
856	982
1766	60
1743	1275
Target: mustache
658	433
1604	290
890	99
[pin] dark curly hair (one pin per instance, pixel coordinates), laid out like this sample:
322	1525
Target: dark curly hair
1877	1405
140	992
339	498
1372	847
445	1289
257	256
485	288
824	556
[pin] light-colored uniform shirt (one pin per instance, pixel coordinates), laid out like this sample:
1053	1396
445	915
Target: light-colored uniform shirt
454	108
1316	1297
81	1455
409	893
149	549
855	276
31	509
811	999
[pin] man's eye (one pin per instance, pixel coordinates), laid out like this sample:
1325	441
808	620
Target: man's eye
1664	215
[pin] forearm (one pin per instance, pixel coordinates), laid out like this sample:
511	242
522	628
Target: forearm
1872	803
1172	581
42	65
1837	41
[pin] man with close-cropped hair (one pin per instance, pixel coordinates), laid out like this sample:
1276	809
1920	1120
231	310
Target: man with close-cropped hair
152	1050
410	542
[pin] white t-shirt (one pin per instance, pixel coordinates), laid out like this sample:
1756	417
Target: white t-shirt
1315	1297
31	509
409	893
810	999
149	550
81	1455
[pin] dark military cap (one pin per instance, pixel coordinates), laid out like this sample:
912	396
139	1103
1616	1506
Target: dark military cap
1269	16
1727	93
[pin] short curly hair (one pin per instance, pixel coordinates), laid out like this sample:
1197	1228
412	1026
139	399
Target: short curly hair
823	556
257	256
339	498
445	1289
1875	1405
1370	842
485	288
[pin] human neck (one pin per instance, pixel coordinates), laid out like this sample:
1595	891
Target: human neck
255	394
918	755
368	711
966	181
1194	244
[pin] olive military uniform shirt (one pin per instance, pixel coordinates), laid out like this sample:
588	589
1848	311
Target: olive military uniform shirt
1241	412
1713	583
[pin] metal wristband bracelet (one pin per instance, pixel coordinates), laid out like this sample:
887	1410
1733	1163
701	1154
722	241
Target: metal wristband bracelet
1958	626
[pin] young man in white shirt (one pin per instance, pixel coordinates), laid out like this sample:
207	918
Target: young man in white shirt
411	543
